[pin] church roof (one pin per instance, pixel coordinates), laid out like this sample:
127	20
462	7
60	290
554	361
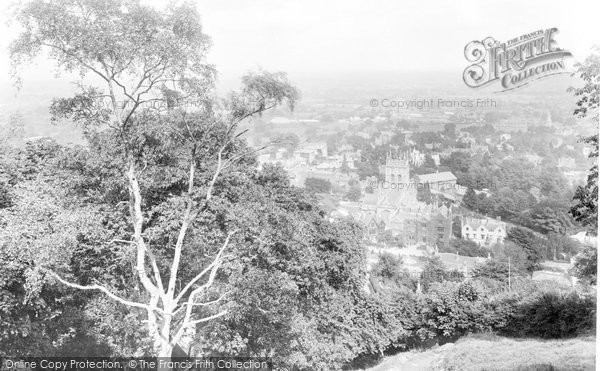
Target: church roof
444	176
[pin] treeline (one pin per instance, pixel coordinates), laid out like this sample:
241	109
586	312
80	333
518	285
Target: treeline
519	240
534	196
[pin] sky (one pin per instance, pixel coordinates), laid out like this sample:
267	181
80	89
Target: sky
312	37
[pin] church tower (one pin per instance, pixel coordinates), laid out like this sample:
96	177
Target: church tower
397	170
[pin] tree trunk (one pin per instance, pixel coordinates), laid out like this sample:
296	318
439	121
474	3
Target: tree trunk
163	351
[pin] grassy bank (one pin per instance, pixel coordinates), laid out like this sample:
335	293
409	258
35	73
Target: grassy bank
495	353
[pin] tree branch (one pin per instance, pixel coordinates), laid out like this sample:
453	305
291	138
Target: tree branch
135	205
206	270
188	312
183	230
100	288
205	319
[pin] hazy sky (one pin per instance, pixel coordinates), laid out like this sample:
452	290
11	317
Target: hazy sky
363	36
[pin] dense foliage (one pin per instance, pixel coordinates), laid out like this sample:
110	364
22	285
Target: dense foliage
296	281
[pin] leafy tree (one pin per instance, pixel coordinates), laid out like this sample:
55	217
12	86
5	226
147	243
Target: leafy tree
457	227
586	208
449	310
549	217
5	197
424	194
470	199
317	185
458	162
358	143
152	65
513	253
292	272
39	228
493	270
13	129
450	129
345	168
586	265
388	266
354	194
426	137
429	162
435	271
530	244
560	246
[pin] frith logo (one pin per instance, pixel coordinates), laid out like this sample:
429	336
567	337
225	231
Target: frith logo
514	63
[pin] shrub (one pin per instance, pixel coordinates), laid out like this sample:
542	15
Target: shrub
435	271
553	315
449	310
493	270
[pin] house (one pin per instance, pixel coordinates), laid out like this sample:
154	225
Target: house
431	225
483	231
420	224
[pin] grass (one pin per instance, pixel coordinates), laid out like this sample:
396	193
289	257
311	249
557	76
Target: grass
495	353
487	352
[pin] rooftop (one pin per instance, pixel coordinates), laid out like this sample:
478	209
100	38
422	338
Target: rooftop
444	176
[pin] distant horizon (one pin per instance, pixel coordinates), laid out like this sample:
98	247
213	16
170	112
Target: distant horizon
331	80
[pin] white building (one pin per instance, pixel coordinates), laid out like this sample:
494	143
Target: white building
483	231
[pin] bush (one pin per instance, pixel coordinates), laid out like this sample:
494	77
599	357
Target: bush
493	270
392	274
552	315
435	271
449	310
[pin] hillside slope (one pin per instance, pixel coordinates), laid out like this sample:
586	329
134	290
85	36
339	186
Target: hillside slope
494	353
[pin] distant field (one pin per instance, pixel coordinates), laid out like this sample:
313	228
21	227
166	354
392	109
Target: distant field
494	353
